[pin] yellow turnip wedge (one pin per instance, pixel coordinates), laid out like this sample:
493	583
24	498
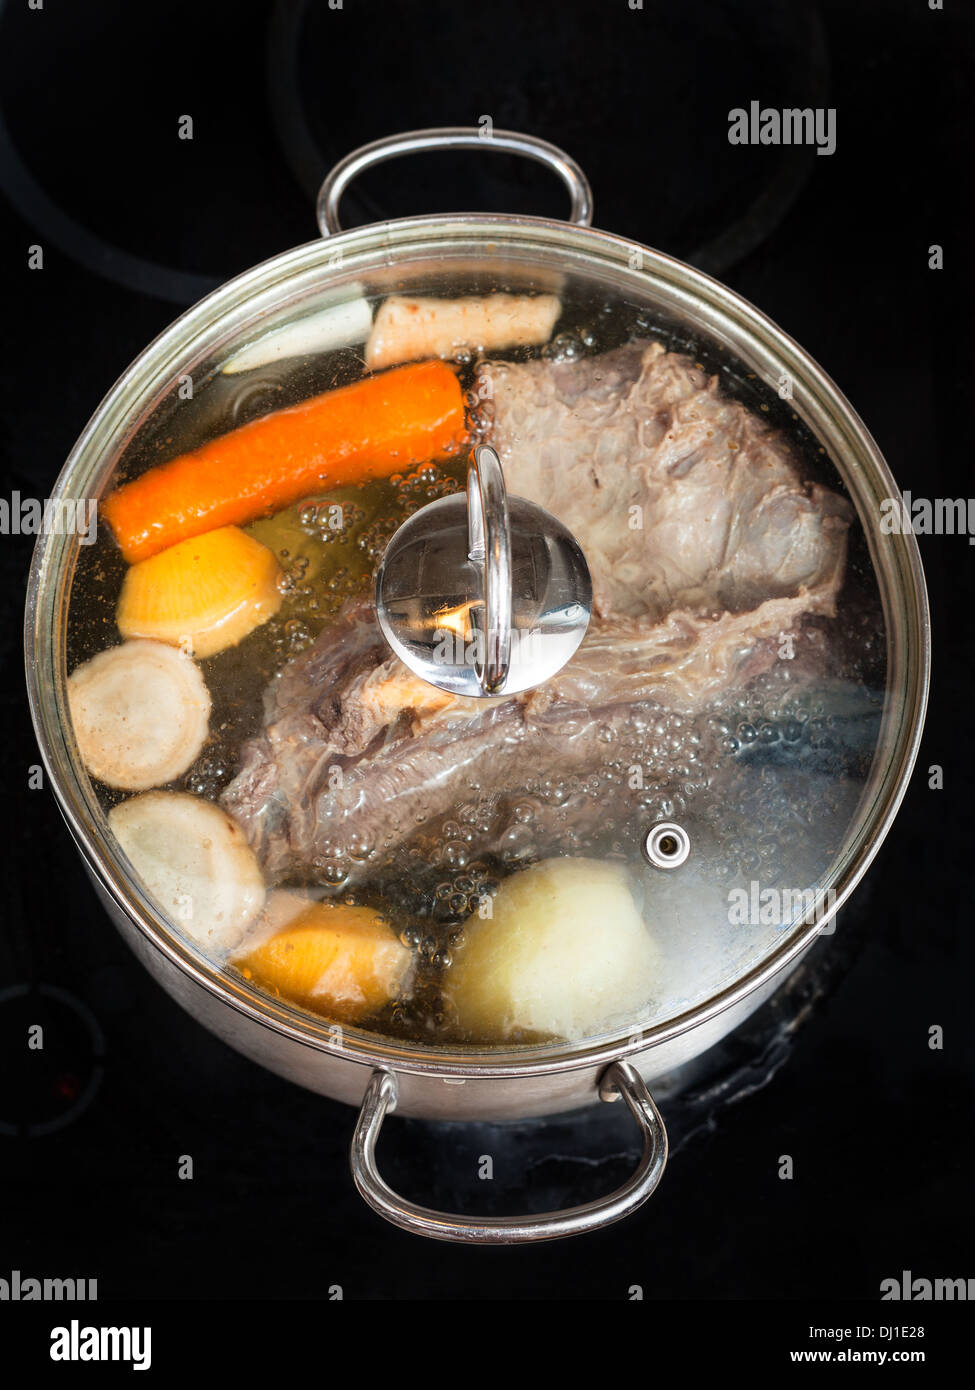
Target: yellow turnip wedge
203	595
407	329
345	962
140	713
194	860
565	954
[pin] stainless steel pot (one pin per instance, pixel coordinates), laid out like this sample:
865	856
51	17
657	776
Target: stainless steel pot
474	1083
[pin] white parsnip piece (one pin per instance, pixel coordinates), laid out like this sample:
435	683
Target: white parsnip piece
140	712
194	860
406	329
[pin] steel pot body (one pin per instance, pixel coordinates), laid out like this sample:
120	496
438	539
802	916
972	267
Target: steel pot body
473	1092
486	1084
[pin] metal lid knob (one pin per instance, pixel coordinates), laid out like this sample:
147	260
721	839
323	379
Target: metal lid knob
483	595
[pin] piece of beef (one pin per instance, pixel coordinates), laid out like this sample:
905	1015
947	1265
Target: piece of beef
358	755
681	497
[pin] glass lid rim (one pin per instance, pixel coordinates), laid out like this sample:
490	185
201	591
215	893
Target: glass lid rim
46	600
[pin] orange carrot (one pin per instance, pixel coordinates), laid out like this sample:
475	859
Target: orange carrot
378	426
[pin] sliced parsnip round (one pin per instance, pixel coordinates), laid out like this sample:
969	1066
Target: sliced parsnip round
564	954
195	862
140	712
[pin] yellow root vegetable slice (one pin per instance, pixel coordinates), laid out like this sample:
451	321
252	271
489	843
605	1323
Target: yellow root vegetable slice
194	860
140	713
406	329
203	594
565	954
339	960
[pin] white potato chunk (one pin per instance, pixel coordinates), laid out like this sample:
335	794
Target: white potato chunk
565	954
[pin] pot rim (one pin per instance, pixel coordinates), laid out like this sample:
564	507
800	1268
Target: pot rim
256	291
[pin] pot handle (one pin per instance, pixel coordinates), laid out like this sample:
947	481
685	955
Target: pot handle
620	1079
446	138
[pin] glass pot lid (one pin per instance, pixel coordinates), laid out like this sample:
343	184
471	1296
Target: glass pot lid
313	828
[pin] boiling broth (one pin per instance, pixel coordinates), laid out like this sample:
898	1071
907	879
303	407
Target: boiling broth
766	779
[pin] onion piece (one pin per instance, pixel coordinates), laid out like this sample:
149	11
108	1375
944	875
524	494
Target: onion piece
341	325
565	953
